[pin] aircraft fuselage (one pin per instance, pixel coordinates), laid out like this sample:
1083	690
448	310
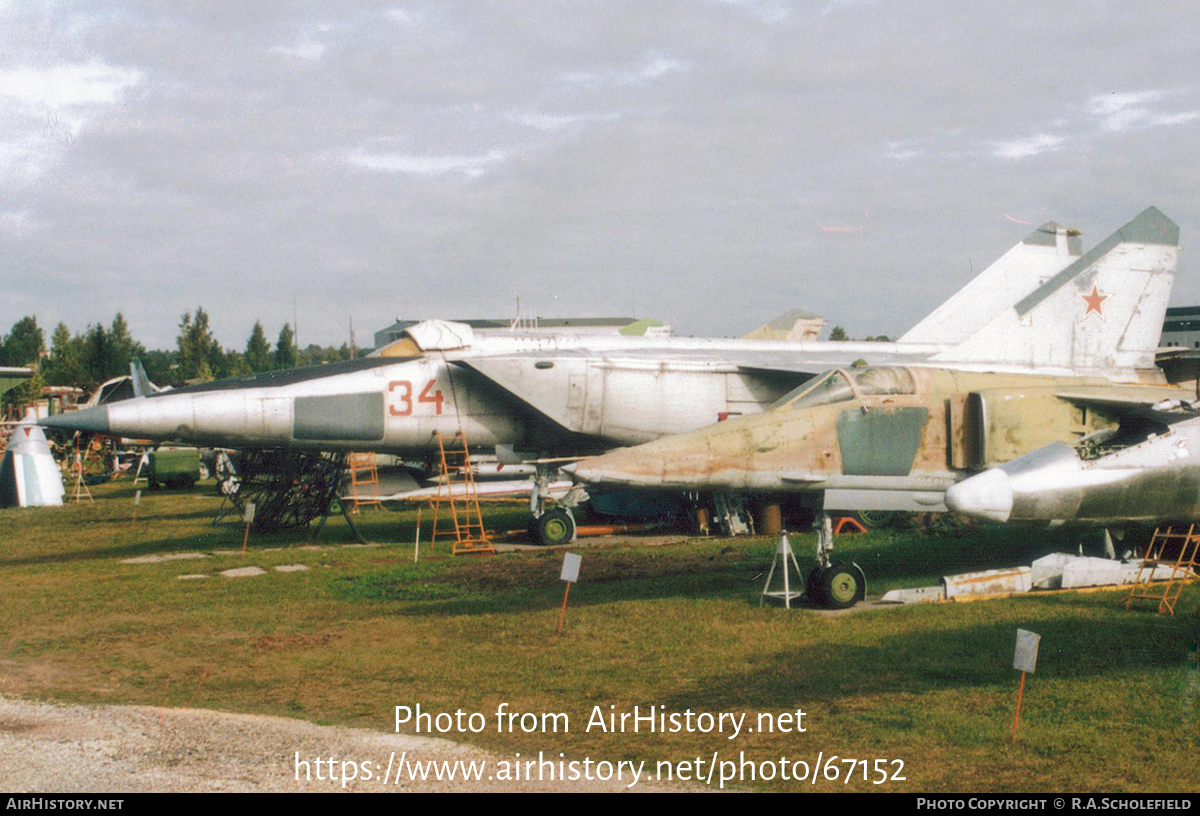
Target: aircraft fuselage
884	438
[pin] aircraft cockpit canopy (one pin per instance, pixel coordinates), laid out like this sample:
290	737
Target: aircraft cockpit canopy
842	385
884	381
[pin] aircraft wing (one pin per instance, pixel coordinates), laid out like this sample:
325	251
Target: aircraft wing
1170	353
1133	400
804	359
507	489
11	377
804	477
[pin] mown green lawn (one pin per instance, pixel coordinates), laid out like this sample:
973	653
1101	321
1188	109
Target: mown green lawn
1112	707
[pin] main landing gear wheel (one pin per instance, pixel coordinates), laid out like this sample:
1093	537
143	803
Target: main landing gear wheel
876	519
840	585
812	585
556	526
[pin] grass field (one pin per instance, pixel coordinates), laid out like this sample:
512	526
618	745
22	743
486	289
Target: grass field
1113	706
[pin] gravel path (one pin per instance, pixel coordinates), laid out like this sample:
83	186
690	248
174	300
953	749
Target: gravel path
48	748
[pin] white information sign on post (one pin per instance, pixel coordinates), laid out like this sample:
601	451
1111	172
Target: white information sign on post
1024	661
248	517
570	574
1025	657
570	568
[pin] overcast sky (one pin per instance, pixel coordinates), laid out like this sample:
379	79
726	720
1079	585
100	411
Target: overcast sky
712	163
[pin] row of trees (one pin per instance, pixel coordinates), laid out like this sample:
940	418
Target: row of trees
200	356
102	352
838	333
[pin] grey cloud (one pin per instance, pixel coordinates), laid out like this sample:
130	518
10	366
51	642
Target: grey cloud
1123	111
471	166
429	158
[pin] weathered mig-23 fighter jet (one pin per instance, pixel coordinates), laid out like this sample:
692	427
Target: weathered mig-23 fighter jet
1056	366
560	396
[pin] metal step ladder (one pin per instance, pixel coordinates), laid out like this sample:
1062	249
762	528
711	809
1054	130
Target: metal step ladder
1172	549
364	481
457	491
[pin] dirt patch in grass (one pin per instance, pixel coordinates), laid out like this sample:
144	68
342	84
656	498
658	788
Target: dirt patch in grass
599	567
272	642
30	675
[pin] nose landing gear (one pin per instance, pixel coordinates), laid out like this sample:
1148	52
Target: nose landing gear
833	584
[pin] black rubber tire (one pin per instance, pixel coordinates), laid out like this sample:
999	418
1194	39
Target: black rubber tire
876	519
812	586
842	586
556	527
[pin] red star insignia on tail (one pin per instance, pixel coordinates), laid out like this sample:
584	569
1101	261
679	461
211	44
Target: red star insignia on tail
1094	301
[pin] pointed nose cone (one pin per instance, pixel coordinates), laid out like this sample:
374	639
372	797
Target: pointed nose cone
569	469
986	496
88	420
596	470
617	467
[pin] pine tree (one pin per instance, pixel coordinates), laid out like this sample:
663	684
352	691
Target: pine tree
122	348
258	350
65	365
200	355
24	344
96	356
285	348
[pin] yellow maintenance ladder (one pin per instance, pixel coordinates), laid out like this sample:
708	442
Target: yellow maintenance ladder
1162	552
364	489
463	502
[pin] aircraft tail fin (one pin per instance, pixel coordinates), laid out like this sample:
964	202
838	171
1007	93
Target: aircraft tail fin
1040	256
1102	314
796	325
141	383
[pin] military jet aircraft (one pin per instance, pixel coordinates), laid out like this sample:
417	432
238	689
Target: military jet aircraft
561	396
539	392
1146	471
897	437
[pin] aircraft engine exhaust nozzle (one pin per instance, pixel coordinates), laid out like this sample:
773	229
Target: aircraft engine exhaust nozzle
988	495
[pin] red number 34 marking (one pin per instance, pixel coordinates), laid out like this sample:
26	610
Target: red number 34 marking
405	387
